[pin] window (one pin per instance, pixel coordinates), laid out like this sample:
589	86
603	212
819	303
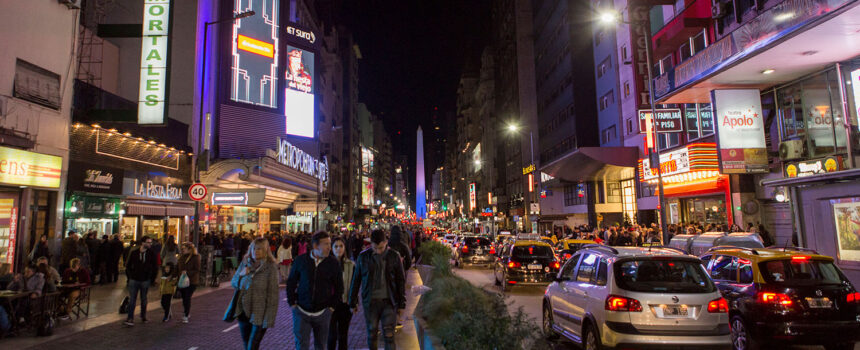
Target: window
606	100
598	36
600	280
664	65
574	194
801	273
629	123
624	53
699	42
626	89
604	66
570	267
36	84
613	192
608	135
663	276
668	140
587	267
725	268
745	271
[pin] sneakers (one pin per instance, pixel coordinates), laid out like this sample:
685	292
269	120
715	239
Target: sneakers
128	323
64	317
144	320
167	317
184	319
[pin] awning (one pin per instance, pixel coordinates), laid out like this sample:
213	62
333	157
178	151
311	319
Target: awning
155	209
282	185
595	163
185	210
845	175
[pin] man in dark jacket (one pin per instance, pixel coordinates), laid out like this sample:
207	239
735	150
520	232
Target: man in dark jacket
314	288
115	253
141	269
93	244
398	243
380	278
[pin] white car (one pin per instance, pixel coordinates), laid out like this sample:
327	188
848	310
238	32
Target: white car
628	297
449	239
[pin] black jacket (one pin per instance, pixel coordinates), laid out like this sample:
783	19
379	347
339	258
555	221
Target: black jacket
398	243
138	270
314	287
365	272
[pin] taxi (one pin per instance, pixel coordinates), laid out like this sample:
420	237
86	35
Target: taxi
526	262
568	247
785	296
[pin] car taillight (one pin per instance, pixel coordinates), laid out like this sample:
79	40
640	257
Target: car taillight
567	256
514	264
619	303
853	298
799	258
718	306
775	299
465	249
492	251
555	265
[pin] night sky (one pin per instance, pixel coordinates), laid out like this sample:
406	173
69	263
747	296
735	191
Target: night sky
413	53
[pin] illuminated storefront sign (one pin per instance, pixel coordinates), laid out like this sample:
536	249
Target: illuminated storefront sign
528	169
299	95
254	67
152	98
812	167
691	163
740	131
473	197
668	120
296	158
25	168
153	186
238	198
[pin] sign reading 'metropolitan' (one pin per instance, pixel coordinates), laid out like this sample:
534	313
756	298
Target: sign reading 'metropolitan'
152	99
296	158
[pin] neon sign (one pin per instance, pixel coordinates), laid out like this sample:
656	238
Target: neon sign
252	45
254	67
152	98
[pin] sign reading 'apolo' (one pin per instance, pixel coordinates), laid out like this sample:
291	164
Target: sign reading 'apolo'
740	131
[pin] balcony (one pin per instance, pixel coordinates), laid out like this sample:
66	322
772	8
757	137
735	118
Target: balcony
695	17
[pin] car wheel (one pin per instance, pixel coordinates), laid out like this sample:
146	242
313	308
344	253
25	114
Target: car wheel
591	339
741	337
547	323
844	346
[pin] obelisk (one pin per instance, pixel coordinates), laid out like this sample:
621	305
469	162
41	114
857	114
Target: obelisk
420	194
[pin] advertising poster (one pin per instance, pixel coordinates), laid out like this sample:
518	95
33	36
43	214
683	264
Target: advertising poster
254	68
30	168
846	213
299	94
740	131
366	190
8	228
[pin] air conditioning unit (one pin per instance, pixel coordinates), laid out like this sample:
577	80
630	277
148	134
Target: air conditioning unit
71	4
719	9
791	149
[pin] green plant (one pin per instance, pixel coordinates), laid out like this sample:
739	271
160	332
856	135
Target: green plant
431	251
466	317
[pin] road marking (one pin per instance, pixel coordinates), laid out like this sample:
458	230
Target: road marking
228	329
192	348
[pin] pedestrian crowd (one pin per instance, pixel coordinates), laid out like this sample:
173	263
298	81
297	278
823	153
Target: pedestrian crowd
639	234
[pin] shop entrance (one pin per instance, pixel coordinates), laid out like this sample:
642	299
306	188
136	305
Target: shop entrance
705	210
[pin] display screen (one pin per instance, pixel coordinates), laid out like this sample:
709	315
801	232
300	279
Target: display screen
255	56
299	92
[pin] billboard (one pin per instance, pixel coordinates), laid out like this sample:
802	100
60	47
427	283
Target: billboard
299	92
152	95
740	131
846	214
668	120
366	190
473	197
254	69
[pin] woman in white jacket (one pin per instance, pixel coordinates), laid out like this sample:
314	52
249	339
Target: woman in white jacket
285	258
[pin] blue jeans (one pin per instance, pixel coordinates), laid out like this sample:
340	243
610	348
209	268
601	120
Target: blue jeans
380	310
133	288
303	324
252	335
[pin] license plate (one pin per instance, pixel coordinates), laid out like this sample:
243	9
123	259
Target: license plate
535	266
675	310
479	251
819	303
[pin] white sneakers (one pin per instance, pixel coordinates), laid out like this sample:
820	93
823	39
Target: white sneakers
184	319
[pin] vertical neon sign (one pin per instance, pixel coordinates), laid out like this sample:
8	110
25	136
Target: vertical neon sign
152	98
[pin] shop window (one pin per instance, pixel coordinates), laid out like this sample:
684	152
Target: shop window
613	192
699	120
808	110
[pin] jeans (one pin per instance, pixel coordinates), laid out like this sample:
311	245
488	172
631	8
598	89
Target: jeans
186	298
165	304
380	310
134	287
338	333
252	335
303	324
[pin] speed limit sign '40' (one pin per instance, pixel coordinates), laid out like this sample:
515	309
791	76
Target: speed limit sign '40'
197	192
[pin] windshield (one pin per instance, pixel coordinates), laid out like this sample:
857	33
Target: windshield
800	272
472	241
663	276
532	251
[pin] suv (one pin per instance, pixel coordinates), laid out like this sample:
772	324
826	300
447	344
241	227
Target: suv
525	262
785	295
475	250
629	297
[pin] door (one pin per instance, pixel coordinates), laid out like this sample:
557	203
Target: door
560	300
579	289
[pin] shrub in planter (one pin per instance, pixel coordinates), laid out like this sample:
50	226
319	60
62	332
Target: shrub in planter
430	250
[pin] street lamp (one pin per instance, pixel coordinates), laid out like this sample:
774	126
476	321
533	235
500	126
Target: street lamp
200	129
610	17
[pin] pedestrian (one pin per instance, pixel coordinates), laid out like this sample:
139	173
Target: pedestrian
141	269
93	244
397	243
167	288
189	265
314	288
52	276
169	251
338	333
285	258
116	248
104	256
82	252
256	282
380	278
41	249
68	249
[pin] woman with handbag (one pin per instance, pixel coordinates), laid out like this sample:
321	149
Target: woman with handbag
255	301
189	273
285	258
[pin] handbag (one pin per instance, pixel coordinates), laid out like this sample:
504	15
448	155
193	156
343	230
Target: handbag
123	306
183	281
230	314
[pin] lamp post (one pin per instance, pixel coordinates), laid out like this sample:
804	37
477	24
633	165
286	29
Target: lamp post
611	17
532	198
196	228
320	178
